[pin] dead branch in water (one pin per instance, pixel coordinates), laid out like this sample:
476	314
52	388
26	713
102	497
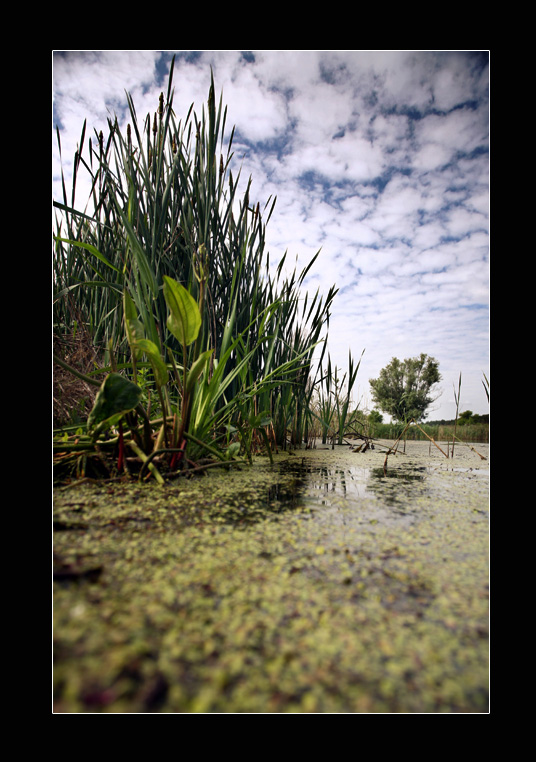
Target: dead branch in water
406	427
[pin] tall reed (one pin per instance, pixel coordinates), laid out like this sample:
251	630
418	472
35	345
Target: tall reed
457	400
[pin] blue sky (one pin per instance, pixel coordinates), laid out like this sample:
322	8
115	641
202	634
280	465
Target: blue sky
378	158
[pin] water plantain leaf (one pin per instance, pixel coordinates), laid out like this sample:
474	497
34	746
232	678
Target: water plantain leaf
184	320
135	333
232	451
159	367
197	368
259	420
116	397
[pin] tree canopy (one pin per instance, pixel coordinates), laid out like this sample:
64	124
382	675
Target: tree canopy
403	388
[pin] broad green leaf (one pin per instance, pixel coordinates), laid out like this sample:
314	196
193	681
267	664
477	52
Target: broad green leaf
184	320
197	368
116	397
233	450
158	365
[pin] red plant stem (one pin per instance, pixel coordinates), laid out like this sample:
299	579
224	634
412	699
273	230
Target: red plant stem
177	456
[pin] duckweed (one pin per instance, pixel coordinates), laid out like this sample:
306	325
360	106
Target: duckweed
318	585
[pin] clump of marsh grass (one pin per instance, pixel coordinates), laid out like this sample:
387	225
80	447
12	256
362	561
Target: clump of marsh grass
334	396
164	215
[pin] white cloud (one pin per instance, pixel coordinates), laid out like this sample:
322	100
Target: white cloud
376	157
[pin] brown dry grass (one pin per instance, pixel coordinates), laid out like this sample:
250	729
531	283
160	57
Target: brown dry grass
73	398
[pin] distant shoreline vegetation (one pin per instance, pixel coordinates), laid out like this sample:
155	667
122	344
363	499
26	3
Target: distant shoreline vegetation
461	421
438	430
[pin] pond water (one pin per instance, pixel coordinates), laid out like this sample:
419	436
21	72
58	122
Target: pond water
369	486
332	581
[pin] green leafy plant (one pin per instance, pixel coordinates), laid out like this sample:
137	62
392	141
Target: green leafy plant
117	396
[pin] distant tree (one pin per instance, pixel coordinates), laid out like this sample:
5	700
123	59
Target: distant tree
375	417
465	418
469	417
403	388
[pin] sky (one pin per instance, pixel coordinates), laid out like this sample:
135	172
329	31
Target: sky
379	159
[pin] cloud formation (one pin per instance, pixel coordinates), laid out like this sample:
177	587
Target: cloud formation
378	158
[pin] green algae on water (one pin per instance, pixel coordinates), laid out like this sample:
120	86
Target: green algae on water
315	585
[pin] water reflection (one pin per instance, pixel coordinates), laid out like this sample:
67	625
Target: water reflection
320	490
394	487
325	482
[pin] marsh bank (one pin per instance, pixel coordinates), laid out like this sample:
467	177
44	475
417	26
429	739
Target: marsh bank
323	583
